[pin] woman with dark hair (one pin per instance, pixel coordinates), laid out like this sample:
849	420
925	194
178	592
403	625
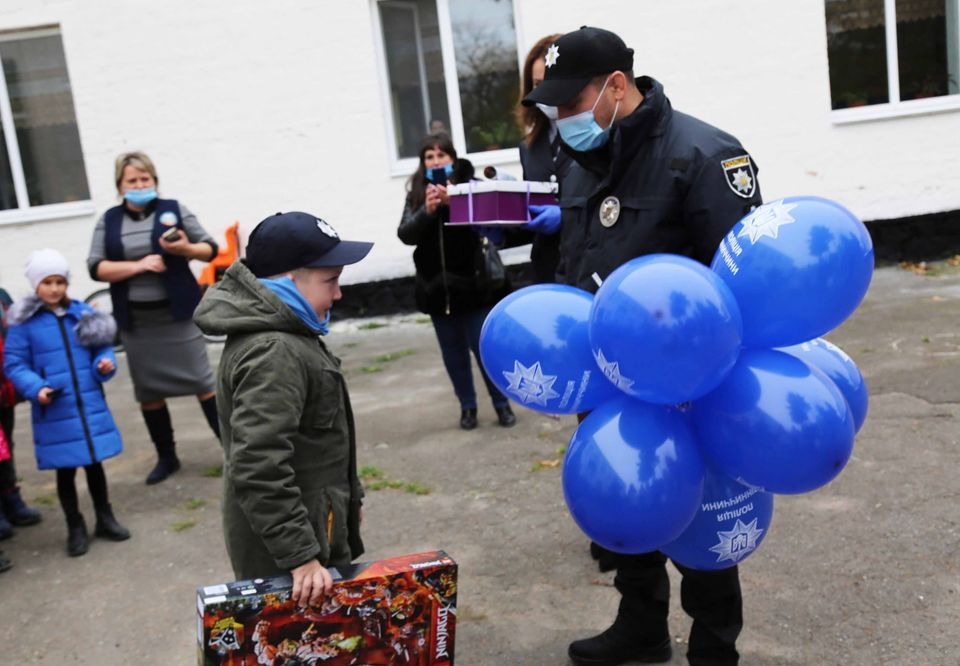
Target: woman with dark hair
447	286
541	159
143	248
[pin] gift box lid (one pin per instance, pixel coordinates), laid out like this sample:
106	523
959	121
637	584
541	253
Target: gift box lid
518	186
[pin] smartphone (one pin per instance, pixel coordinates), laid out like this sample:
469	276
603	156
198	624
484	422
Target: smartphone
57	392
171	234
437	175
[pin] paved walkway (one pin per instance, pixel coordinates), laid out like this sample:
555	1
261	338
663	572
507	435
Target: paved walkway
860	573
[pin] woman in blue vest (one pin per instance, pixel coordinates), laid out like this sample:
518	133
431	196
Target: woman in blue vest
143	248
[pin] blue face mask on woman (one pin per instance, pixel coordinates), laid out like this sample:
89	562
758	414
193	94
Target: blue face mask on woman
581	131
141	197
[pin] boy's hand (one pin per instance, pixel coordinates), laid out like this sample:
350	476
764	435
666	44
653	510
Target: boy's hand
310	582
45	395
105	366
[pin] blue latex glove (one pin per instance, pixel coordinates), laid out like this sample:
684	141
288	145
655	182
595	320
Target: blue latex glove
492	234
546	219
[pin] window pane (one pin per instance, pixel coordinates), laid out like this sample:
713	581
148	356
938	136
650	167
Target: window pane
923	44
8	197
485	44
418	94
857	52
39	89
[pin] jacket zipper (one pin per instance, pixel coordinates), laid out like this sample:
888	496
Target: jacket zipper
76	390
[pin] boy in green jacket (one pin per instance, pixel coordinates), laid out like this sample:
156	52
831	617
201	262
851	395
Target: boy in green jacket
291	495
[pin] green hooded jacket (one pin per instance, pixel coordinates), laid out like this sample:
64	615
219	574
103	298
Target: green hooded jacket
290	487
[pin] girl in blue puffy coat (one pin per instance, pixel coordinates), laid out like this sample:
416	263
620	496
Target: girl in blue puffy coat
58	354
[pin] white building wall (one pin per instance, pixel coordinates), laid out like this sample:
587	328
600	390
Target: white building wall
254	107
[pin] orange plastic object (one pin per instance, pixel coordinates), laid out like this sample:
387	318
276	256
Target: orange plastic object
225	256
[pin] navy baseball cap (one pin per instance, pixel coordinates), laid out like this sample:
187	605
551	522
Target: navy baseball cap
287	241
575	60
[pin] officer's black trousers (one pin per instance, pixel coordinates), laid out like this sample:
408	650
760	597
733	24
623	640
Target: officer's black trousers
711	598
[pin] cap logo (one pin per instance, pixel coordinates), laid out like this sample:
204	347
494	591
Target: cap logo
327	229
552	54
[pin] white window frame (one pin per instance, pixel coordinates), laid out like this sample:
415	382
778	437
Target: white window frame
895	107
406	165
24	211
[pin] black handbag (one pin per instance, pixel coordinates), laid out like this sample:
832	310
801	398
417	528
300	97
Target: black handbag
491	274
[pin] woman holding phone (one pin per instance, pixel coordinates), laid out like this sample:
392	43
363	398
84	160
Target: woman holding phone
446	273
143	247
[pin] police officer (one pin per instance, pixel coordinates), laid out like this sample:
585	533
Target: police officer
646	179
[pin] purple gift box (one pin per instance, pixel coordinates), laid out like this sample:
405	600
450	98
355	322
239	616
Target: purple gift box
497	201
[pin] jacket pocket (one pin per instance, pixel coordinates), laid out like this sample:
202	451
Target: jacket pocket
323	413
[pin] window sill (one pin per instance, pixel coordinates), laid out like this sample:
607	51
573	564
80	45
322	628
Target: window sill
914	107
45	213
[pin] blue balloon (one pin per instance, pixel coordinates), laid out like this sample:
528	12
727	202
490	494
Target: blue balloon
535	347
841	369
732	521
665	328
632	475
798	268
776	423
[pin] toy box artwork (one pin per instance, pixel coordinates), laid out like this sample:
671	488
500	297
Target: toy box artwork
400	610
490	202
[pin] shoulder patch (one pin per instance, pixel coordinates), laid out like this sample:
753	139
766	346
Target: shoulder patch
740	176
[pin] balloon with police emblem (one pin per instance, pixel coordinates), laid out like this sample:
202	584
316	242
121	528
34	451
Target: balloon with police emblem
798	267
732	521
841	369
633	475
775	422
665	328
535	347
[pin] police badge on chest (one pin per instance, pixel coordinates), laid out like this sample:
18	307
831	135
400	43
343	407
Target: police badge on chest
609	211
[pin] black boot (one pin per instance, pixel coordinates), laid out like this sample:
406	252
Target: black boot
108	527
612	648
17	510
166	465
209	407
6	529
161	432
78	542
505	416
468	419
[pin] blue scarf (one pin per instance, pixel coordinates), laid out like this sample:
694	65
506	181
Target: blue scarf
287	292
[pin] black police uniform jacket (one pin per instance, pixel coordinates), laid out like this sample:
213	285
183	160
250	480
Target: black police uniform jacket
541	159
680	185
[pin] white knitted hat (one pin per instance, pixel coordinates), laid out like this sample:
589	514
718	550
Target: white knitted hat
44	263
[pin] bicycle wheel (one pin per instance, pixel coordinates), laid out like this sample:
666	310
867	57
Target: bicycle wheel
100	300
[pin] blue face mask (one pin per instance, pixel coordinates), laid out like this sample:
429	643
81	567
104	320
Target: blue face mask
582	132
140	197
447	169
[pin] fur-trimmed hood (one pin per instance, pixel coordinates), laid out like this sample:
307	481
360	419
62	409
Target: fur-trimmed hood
93	328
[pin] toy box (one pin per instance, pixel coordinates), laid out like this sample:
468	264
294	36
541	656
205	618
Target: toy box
400	610
490	202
